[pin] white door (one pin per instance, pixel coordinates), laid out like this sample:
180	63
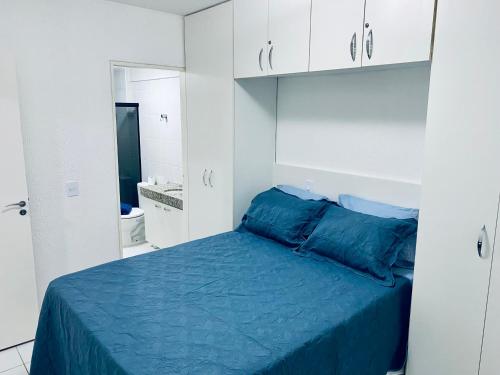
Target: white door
461	184
490	359
336	34
289	34
210	120
19	309
397	31
250	38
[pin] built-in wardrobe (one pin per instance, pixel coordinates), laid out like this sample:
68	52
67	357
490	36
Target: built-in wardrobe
455	319
231	127
231	117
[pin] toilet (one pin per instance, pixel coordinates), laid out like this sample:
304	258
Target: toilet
133	229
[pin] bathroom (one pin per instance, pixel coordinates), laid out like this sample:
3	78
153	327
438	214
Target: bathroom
150	157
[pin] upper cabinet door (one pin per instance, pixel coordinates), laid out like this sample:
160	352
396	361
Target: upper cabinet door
397	31
336	34
250	38
289	34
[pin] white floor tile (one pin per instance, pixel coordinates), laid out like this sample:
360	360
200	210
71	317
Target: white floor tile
28	366
20	370
9	359
138	250
25	351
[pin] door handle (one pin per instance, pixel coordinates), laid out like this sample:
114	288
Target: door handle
20	204
353	47
480	241
271	57
210	178
260	59
369	44
204	177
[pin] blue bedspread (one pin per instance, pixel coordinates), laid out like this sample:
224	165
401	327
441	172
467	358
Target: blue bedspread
230	304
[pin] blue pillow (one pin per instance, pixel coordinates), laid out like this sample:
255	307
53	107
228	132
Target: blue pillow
301	193
283	217
376	208
365	243
408	248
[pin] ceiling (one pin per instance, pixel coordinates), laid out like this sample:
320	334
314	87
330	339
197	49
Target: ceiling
181	7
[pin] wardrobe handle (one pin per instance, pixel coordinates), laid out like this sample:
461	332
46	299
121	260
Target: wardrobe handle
204	178
353	47
210	178
480	241
369	44
260	59
271	57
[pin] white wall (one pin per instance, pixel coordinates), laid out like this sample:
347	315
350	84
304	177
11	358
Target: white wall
158	92
63	50
365	122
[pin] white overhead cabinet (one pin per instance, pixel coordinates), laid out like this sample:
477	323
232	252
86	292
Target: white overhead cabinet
271	37
250	36
397	31
336	34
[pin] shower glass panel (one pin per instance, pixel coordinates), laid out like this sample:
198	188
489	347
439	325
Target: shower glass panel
129	151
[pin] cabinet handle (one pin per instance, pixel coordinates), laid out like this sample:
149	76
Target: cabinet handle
204	177
353	47
369	44
210	178
480	241
271	57
260	59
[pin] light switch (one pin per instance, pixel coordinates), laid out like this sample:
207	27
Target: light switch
72	189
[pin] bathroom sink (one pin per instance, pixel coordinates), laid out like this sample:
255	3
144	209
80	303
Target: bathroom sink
176	193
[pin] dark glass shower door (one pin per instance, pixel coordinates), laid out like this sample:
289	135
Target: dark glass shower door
129	151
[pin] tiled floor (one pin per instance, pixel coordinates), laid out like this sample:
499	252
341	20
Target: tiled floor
16	361
138	250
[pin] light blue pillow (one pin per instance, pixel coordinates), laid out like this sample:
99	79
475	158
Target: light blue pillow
368	207
301	193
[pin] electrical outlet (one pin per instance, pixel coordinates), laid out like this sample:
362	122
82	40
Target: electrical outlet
309	184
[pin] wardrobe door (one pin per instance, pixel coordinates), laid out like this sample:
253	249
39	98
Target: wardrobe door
210	120
490	359
336	34
460	192
250	38
397	31
289	34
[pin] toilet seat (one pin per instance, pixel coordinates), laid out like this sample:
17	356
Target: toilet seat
134	214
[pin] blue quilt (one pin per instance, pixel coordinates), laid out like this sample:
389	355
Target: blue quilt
235	303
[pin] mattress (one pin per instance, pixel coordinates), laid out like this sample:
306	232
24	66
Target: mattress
234	303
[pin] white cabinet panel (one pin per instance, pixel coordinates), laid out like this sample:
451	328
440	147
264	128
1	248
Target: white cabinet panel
490	360
289	33
210	119
250	38
460	192
336	34
397	31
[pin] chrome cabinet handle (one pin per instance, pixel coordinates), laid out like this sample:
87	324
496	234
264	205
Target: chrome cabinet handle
480	241
260	59
271	57
204	178
210	178
369	44
353	47
20	204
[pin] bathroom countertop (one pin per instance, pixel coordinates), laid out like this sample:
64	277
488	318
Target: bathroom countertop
170	194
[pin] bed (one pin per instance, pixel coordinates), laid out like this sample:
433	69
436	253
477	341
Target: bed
235	303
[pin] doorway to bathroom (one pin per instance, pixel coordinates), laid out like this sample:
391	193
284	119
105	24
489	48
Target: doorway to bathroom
150	153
